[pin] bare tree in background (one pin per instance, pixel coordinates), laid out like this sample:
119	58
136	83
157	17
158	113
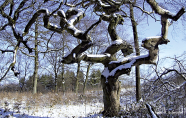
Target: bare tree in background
167	90
109	11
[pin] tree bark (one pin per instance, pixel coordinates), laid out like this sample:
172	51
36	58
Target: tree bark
77	78
63	70
63	80
136	44
88	69
138	84
36	61
56	75
111	96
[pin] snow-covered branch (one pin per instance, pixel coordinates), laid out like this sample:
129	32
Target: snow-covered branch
108	6
77	54
151	111
165	15
11	66
117	68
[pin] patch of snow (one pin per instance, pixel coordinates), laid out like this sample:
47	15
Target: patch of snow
102	4
74	17
125	66
47	12
183	84
55	26
57	111
152	112
168	12
76	31
72	20
74	55
147	38
141	100
114	62
118	41
132	60
105	72
66	55
114	15
62	13
98	55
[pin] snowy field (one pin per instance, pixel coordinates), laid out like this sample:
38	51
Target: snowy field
57	111
48	106
52	105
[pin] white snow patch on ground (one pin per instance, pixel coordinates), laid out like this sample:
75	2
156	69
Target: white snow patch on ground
57	111
80	109
76	109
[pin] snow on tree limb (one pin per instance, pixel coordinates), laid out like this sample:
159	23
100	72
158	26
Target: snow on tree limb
11	66
151	44
151	111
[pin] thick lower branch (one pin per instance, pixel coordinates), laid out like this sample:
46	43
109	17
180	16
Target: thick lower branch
45	20
101	58
119	45
117	68
76	54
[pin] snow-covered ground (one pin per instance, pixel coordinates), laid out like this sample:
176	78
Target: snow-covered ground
27	107
58	111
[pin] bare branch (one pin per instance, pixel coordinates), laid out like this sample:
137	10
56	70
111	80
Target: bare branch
61	3
45	19
173	70
11	66
149	13
3	51
11	21
50	50
16	14
165	13
26	54
92	26
11	7
70	5
16	73
4	26
19	38
6	2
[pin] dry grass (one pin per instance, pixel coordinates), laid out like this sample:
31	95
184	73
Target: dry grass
49	99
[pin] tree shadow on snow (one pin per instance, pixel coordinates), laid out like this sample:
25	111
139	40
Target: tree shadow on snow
6	113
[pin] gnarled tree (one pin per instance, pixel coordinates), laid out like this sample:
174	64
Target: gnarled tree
108	11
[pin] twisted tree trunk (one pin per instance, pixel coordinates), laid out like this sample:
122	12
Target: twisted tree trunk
111	96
